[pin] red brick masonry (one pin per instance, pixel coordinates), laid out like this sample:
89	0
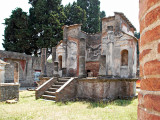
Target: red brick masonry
149	96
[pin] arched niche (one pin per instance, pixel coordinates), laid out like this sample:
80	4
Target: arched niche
124	58
60	62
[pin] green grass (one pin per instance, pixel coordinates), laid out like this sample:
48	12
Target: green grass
30	109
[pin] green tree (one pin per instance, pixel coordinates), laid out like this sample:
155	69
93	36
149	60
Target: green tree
137	35
16	32
74	14
92	8
102	15
46	20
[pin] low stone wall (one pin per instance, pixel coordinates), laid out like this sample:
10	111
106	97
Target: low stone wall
9	91
106	89
67	91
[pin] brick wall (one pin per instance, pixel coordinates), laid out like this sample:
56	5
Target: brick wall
149	96
93	67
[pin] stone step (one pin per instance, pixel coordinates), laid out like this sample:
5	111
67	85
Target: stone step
49	93
52	89
59	83
65	80
49	97
47	100
56	86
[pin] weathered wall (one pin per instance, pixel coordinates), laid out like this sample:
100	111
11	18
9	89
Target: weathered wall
2	71
50	69
110	43
71	37
93	67
27	67
9	91
149	96
93	47
114	40
106	89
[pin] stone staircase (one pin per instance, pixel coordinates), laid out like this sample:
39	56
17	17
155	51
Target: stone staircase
50	94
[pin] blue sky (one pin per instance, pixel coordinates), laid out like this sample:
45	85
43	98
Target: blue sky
129	7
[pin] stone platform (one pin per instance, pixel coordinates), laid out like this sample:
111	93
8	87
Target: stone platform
106	88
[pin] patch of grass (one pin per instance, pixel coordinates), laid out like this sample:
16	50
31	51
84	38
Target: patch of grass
30	109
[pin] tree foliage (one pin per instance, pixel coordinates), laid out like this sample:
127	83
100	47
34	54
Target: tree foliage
102	15
137	35
74	14
42	27
46	20
92	8
16	34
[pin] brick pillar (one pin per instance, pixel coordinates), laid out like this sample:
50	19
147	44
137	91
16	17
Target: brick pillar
16	72
149	96
82	60
43	62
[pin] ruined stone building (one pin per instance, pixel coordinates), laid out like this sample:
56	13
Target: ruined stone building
26	65
103	66
111	53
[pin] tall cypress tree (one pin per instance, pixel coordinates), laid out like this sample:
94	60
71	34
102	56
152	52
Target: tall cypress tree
16	34
46	19
74	14
92	8
102	15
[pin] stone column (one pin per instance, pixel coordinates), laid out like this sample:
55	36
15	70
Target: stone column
55	69
16	72
149	96
53	54
109	57
102	67
53	57
82	61
43	62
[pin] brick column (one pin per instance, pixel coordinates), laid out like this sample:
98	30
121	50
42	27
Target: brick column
43	62
149	96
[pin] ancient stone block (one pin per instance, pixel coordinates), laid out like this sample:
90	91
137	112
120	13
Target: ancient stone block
9	91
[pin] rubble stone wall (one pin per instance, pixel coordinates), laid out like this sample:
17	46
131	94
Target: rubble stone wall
9	91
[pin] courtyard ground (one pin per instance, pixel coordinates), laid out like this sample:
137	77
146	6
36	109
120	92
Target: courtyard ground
30	109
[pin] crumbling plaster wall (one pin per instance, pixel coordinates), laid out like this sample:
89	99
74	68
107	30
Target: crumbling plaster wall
114	41
27	67
71	39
